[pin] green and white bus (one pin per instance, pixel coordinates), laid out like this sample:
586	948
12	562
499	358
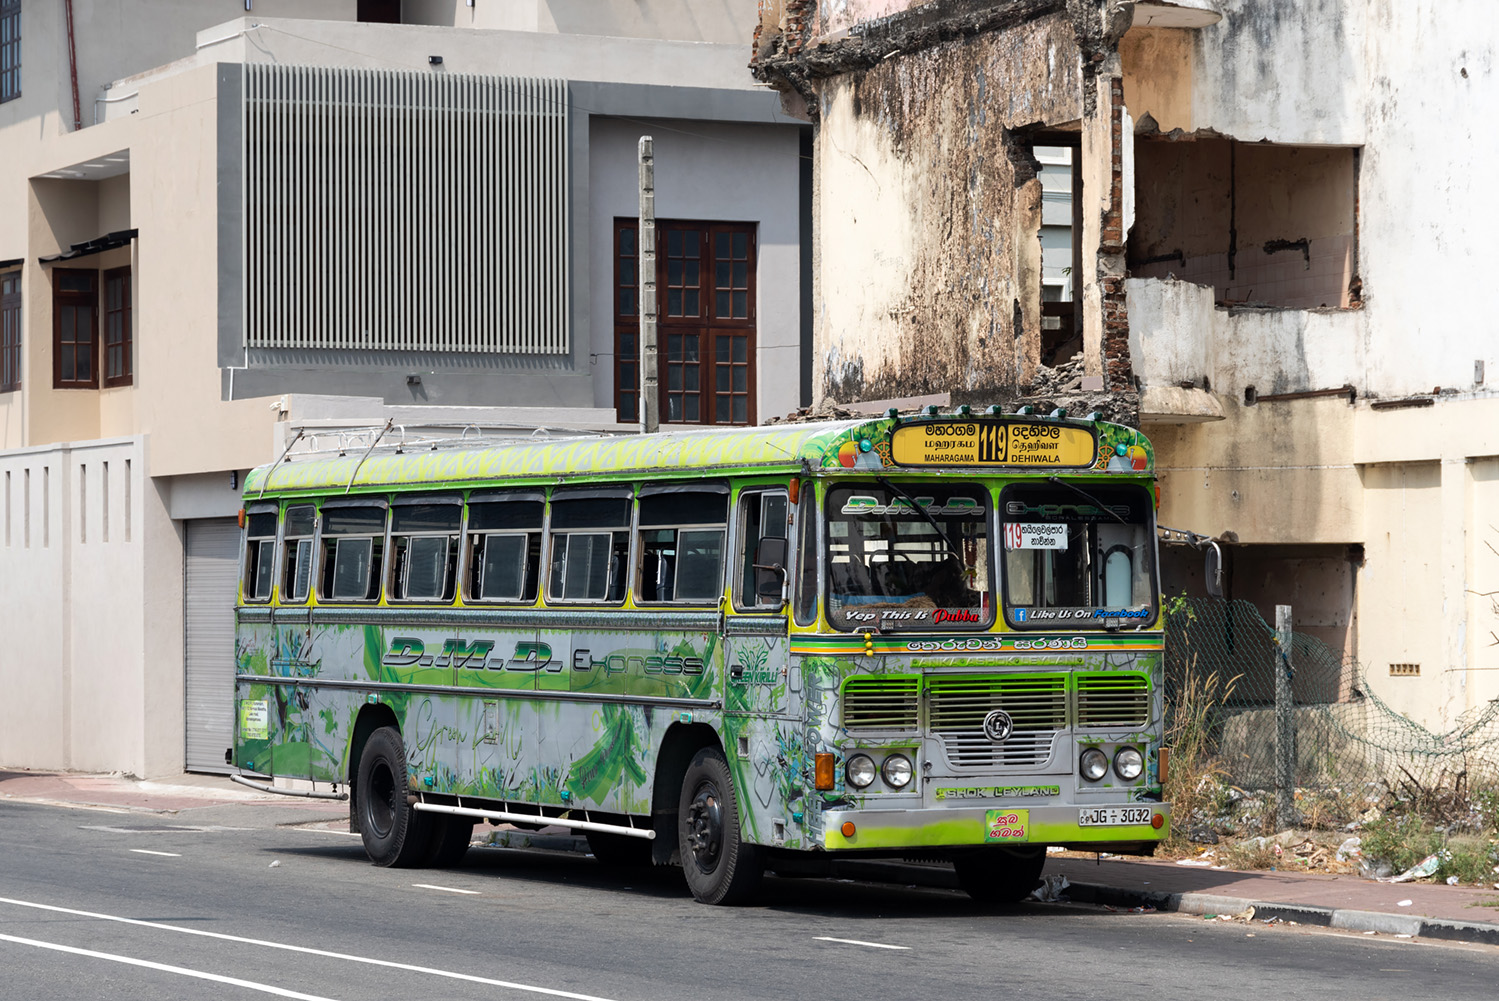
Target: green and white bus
934	635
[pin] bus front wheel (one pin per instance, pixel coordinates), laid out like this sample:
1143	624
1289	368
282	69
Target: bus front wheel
394	834
721	868
1000	875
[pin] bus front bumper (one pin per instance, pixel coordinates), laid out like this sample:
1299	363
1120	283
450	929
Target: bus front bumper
1085	828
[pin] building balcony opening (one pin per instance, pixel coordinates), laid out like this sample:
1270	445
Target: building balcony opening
1265	225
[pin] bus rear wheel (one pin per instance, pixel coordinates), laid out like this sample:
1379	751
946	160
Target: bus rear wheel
1000	875
721	868
394	834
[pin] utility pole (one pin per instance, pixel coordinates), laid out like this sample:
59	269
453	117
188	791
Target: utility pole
645	247
1285	723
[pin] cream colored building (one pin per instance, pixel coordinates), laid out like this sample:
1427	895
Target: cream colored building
1283	214
220	219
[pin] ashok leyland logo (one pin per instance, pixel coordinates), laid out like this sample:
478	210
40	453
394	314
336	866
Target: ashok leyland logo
998	726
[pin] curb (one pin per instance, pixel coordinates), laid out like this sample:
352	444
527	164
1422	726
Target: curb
1347	919
942	877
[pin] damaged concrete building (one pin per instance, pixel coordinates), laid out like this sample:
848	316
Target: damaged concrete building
1272	208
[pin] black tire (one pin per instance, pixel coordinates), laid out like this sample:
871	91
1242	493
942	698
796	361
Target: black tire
394	834
1000	875
721	868
619	849
448	840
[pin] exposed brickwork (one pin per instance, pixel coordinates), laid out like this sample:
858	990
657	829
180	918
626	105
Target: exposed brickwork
1118	372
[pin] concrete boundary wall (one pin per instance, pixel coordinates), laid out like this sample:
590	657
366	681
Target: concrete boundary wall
86	562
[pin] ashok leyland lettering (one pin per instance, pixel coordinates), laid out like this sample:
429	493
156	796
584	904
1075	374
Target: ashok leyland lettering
729	650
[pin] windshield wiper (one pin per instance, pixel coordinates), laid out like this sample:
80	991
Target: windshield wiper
924	513
1088	497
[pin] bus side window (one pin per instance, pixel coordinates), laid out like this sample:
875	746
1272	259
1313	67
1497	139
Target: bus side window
763	514
353	553
260	555
681	546
590	546
296	552
807	559
504	547
424	548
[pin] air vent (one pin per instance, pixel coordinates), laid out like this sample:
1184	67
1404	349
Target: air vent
1113	700
1405	670
881	703
1037	705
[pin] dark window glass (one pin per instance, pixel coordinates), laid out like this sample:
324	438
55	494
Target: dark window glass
591	512
118	341
10	50
425	518
500	516
10	331
705	274
353	521
75	305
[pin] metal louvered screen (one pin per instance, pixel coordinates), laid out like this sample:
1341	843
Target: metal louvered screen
212	574
405	211
1116	700
881	703
1037	704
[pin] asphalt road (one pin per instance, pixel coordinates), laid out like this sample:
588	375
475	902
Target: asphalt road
236	902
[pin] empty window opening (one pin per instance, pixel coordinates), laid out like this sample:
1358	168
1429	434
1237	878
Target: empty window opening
1061	251
1264	225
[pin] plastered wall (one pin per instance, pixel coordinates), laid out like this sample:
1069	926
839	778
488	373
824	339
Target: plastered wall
927	212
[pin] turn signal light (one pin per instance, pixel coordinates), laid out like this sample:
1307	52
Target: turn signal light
1158	821
241	517
1163	764
848	828
822	771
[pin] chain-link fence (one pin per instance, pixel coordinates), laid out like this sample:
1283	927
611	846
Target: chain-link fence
1348	752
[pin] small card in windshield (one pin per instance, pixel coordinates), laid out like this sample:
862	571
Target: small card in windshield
1035	535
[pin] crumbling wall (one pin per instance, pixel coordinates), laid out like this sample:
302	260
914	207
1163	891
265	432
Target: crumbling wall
928	206
928	210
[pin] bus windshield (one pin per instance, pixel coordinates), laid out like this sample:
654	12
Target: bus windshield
1075	557
893	565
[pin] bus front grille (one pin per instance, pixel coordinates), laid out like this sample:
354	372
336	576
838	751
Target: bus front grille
886	703
1113	700
1036	704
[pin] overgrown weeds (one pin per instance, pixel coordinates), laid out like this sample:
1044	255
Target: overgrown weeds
1194	781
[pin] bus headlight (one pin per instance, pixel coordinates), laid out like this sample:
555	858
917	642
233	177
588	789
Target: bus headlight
860	770
1128	764
897	770
1094	764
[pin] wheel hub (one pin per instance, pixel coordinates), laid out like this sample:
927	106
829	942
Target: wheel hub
705	827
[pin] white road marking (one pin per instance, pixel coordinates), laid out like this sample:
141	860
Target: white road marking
444	889
181	970
147	851
854	941
309	951
347	834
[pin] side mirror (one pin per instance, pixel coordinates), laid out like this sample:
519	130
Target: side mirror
770	567
1212	570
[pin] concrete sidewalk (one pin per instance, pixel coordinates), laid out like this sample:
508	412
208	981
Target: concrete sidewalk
1351	902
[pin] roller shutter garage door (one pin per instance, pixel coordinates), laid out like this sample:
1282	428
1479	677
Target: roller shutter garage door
212	574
